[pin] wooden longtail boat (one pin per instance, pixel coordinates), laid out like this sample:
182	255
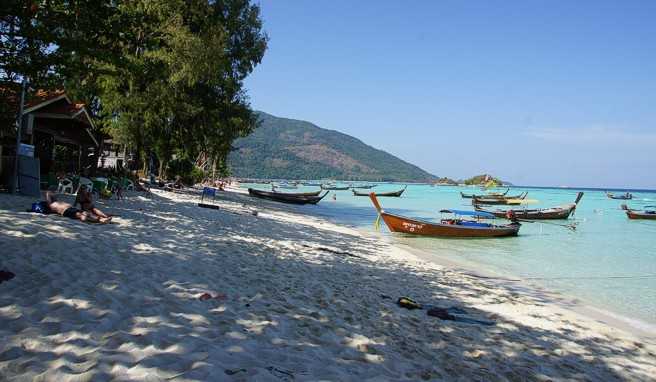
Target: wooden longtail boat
314	193
335	188
559	212
285	197
365	187
646	214
501	201
494	196
285	186
392	194
490	195
446	228
627	196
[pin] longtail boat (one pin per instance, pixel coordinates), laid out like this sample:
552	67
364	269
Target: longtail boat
455	227
646	214
559	212
284	186
286	197
627	196
335	188
314	193
391	194
365	186
489	195
520	199
493	196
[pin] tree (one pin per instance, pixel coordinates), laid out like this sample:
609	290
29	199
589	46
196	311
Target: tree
161	77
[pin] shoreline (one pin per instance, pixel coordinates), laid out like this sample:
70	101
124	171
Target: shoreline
564	300
293	296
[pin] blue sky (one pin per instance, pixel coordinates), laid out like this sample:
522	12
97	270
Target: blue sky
536	92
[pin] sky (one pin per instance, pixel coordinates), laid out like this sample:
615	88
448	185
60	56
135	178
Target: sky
545	93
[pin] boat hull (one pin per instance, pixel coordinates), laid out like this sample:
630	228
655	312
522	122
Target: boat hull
545	214
619	197
286	198
385	194
502	195
497	202
640	215
315	193
406	225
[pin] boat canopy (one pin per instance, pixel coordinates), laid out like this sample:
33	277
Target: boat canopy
480	214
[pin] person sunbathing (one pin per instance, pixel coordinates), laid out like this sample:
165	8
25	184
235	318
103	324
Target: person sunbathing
85	199
67	210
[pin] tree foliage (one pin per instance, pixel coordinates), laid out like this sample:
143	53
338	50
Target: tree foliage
485	180
163	77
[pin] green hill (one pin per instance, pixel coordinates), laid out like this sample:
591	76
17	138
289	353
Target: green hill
282	148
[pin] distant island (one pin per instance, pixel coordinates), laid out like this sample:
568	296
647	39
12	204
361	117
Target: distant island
283	148
485	180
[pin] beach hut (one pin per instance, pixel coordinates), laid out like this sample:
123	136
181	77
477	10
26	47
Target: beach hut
56	132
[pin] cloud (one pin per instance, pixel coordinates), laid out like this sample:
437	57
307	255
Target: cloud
597	135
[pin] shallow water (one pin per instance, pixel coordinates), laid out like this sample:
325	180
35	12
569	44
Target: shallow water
609	261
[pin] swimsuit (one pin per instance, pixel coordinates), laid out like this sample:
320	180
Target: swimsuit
70	213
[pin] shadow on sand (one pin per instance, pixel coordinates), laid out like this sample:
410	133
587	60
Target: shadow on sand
134	310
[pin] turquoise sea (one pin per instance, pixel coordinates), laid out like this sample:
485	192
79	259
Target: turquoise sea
609	262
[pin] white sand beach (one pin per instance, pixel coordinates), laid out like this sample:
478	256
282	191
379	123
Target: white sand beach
293	298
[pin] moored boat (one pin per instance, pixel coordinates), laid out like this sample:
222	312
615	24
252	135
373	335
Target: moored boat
559	212
456	227
649	213
626	196
488	195
313	193
286	197
364	186
386	194
515	201
284	186
335	188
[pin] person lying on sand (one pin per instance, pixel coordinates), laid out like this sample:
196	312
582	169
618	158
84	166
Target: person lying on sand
67	210
85	199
